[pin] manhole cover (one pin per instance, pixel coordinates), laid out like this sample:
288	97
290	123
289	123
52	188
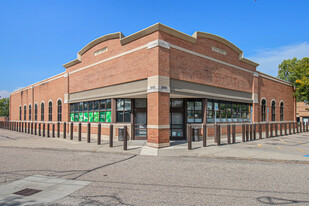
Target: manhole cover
27	192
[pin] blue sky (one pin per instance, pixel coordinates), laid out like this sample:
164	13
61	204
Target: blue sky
38	37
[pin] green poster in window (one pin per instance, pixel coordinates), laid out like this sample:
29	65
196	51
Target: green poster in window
75	117
96	116
72	117
86	117
90	116
80	117
108	116
102	116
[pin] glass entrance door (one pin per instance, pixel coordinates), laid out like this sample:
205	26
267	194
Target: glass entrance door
177	119
141	125
140	119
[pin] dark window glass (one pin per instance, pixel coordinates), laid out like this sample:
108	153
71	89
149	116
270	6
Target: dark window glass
90	105
281	111
42	111
140	103
76	107
50	111
273	111
123	110
29	112
96	105
35	112
194	110
263	110
25	112
59	105
85	106
108	104
20	113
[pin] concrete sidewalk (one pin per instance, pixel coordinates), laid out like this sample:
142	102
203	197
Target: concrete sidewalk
293	148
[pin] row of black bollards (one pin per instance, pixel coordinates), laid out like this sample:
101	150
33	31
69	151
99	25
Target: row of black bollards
39	129
249	131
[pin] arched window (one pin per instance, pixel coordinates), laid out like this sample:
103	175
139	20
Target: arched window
273	111
29	112
263	110
25	112
42	111
281	111
50	111
59	105
36	112
19	112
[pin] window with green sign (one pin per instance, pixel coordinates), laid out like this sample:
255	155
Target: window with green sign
91	111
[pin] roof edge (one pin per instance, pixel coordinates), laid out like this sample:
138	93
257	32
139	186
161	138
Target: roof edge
154	28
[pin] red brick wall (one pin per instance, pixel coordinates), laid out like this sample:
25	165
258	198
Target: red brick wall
270	90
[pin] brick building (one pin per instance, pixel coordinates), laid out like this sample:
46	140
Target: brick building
156	81
302	112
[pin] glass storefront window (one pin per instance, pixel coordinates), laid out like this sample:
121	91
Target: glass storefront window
228	111
194	111
123	110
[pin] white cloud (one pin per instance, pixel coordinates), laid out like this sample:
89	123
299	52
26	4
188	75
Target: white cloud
269	59
4	93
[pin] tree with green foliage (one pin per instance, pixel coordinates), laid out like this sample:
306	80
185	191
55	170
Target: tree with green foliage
4	107
296	71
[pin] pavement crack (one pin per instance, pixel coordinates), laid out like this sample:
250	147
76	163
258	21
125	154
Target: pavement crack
106	165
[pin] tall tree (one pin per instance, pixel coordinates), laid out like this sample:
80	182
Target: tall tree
296	71
4	107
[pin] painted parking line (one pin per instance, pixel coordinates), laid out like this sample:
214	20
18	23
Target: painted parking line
300	150
279	147
282	141
259	145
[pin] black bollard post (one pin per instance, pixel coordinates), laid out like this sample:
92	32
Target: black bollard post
219	134
58	129
99	134
39	129
251	132
125	138
247	132
281	133
88	132
260	131
53	133
64	130
276	129
290	128
243	132
294	131
204	135
111	136
233	134
228	133
285	129
254	131
267	130
79	131
35	129
189	138
48	132
71	131
271	129
43	129
31	127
